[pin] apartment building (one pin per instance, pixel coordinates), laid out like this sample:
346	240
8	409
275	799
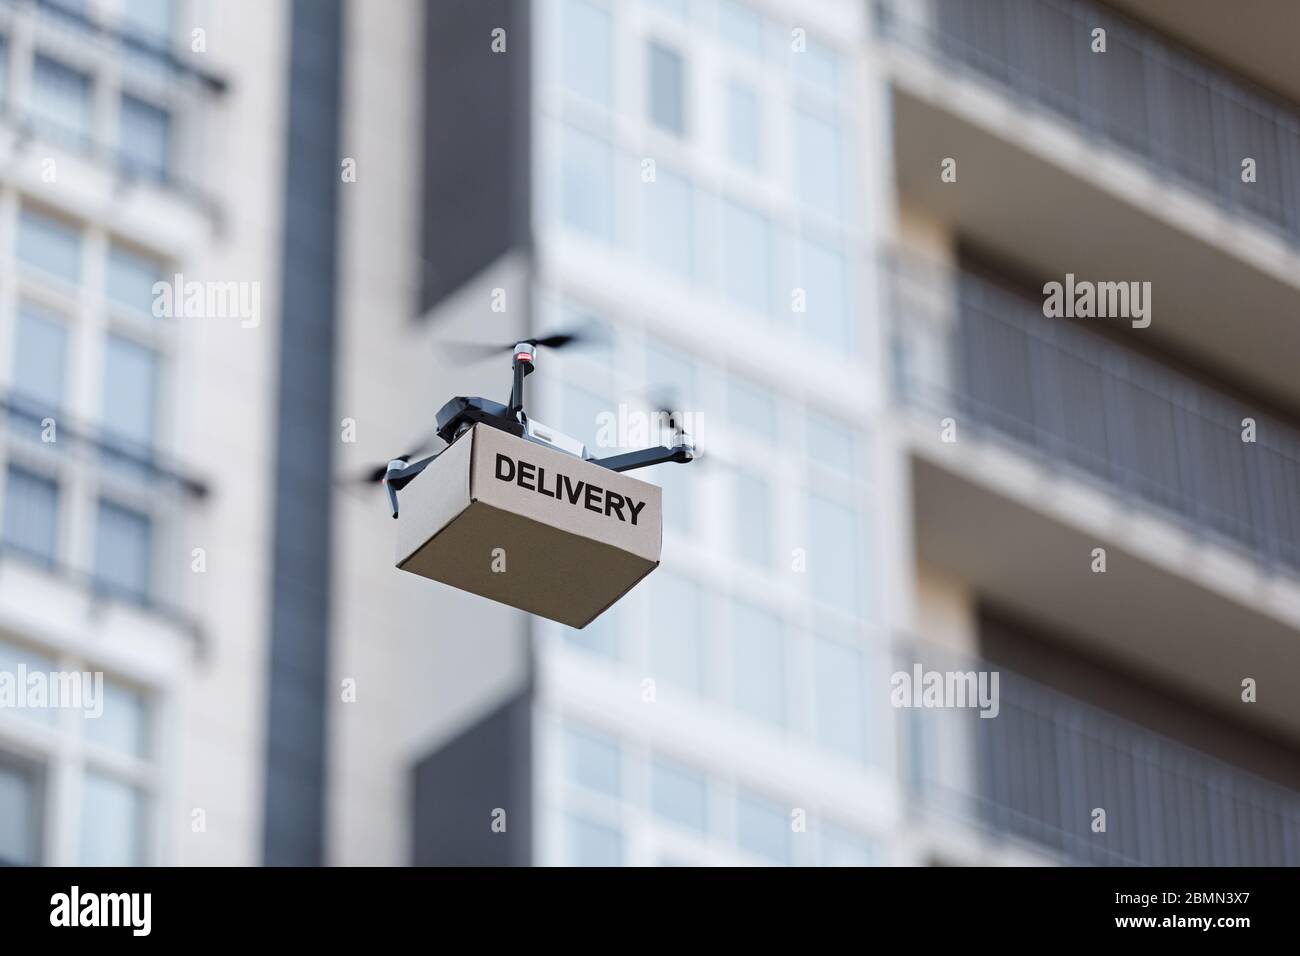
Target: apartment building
148	142
1108	142
104	490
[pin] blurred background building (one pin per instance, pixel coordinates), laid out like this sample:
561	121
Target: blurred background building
747	199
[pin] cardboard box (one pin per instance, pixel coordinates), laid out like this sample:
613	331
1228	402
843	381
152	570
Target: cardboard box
573	537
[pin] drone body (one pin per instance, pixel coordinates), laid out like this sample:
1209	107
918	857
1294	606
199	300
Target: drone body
462	413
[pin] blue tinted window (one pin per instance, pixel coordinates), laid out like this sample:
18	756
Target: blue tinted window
49	244
31	514
762	828
678	794
122	551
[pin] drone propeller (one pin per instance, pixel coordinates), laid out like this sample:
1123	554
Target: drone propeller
474	351
373	474
666	401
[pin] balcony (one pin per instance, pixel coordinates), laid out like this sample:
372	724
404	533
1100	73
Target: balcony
1256	38
1122	165
1068	439
1076	399
1162	105
1032	775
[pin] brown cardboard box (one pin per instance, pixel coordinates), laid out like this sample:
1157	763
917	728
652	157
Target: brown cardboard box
574	537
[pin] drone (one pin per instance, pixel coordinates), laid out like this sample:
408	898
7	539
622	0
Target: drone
462	413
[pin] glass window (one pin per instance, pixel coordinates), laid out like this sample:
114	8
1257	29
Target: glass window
667	87
678	794
20	812
4	69
666	223
757	664
753	519
49	244
821	276
587	185
143	138
31	514
743	130
40	347
746	257
762	828
838	693
131	278
122	551
594	844
130	390
122	724
150	19
816	65
751	406
592	760
741	26
676	641
61	99
586	31
842	847
12	657
832	442
833	554
112	828
817	163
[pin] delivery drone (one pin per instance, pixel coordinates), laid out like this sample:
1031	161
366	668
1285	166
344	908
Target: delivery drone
462	413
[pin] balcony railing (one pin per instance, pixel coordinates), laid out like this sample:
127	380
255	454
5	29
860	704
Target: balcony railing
1037	771
1180	115
1084	402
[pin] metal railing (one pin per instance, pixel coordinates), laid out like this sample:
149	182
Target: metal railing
1082	401
1178	113
1037	772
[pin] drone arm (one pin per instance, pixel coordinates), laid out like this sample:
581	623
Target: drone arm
645	457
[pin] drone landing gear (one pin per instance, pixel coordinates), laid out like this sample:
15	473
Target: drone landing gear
400	474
